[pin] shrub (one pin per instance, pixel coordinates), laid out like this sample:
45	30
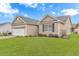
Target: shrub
1	34
76	32
50	35
30	36
39	34
9	33
26	36
42	35
56	36
53	35
5	34
19	36
64	33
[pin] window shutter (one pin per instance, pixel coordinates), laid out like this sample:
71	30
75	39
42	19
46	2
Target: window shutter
52	27
43	27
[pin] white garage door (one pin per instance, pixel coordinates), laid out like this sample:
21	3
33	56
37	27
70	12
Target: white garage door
18	32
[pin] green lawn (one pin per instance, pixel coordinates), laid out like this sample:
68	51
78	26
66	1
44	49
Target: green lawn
40	46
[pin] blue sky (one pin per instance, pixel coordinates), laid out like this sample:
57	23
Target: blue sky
38	10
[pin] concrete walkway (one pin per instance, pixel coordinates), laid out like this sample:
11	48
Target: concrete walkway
4	37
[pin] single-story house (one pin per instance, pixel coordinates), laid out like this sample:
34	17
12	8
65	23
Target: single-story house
24	26
76	28
5	27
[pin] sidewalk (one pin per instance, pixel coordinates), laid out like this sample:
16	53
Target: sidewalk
4	37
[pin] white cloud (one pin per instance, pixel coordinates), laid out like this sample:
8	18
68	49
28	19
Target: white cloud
50	6
42	7
0	15
7	9
23	14
7	12
53	12
46	8
71	11
32	5
26	15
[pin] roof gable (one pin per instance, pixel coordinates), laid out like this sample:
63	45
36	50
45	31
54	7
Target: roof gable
2	24
23	19
29	20
18	20
49	16
63	18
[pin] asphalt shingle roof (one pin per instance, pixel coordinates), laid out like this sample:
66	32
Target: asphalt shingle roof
29	20
33	21
4	23
62	18
59	18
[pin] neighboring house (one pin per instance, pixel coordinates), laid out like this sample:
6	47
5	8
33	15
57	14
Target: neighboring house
5	27
48	25
76	28
73	27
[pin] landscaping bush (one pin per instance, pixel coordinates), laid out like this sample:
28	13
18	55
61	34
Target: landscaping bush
9	33
53	35
30	36
5	34
50	35
56	36
42	35
39	34
26	36
63	34
1	34
19	36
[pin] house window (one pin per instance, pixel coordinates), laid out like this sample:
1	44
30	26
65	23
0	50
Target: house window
47	27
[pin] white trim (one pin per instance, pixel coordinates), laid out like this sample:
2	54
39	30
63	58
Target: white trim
48	27
17	19
58	29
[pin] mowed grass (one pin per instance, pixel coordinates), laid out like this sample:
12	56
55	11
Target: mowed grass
40	46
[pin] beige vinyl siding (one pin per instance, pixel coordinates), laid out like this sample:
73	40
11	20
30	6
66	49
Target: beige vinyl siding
18	20
26	33
68	26
35	29
49	32
61	29
5	28
49	21
57	28
32	30
18	26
